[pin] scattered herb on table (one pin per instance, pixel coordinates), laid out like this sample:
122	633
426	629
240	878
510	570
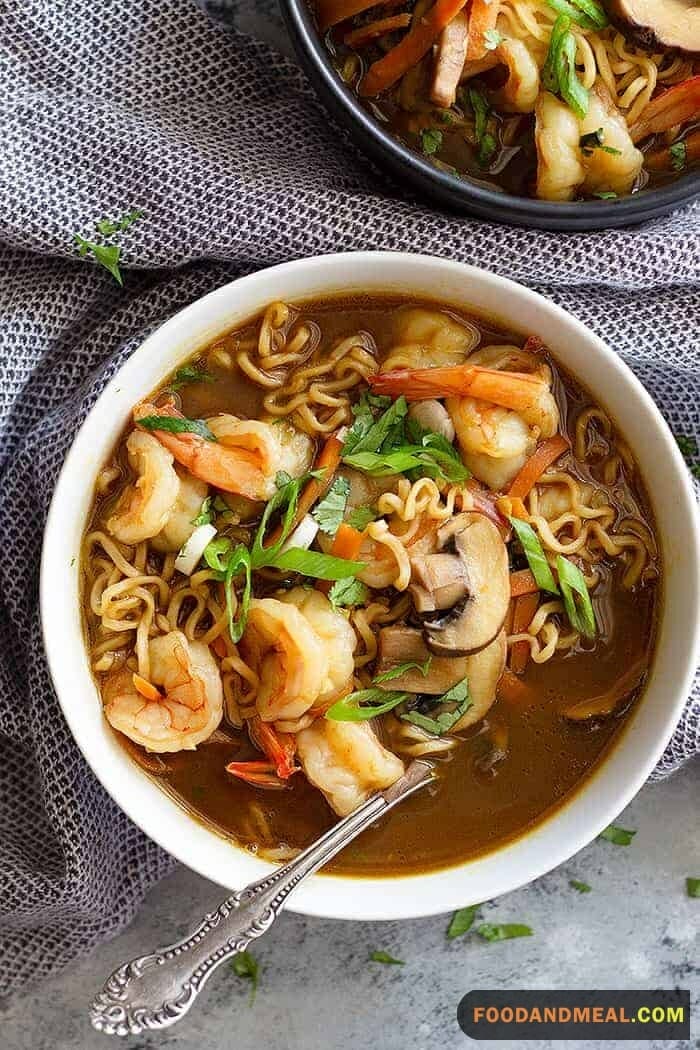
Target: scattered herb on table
246	966
503	931
581	887
619	836
384	957
692	887
462	921
107	255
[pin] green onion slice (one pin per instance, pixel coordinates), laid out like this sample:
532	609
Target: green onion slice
539	566
577	600
365	704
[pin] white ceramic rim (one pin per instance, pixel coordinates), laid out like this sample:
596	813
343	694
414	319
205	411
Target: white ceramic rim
559	835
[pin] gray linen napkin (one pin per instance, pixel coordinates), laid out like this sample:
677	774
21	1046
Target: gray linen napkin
109	105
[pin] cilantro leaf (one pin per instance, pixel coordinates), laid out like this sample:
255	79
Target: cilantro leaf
582	887
348	591
245	965
443	722
106	255
360	517
107	228
328	513
190	374
692	887
177	425
678	153
430	140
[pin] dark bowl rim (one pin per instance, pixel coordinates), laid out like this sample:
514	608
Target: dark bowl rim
488	203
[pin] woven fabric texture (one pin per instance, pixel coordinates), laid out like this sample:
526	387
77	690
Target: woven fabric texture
108	105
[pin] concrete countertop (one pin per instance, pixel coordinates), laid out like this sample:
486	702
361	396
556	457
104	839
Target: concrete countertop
319	991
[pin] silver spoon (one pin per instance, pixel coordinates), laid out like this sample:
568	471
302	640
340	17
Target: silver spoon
155	991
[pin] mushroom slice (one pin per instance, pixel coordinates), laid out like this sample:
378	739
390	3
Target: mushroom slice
660	23
450	57
438	581
475	620
400	644
483	672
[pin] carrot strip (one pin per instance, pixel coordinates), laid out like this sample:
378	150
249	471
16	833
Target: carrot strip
219	647
544	455
314	490
330	12
365	34
409	51
525	608
514	691
522	582
145	688
677	105
347	543
482	18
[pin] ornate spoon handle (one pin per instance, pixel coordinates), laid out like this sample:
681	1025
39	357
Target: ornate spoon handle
156	990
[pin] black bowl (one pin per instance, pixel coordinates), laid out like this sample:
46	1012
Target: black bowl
464	194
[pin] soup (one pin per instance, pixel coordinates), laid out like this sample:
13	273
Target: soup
358	531
555	99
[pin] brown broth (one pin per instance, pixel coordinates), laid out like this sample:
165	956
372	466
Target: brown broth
512	166
471	810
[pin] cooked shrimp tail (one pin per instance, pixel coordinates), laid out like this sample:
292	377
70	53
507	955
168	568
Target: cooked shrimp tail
259	774
231	469
280	748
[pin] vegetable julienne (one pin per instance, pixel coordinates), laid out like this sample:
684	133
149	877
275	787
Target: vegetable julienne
518	96
318	594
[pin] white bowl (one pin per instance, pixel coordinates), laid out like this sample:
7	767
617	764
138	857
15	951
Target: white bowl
644	737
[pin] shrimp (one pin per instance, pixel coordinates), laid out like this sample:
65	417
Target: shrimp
560	168
246	456
495	442
180	522
428	337
301	649
564	166
346	762
520	91
145	504
615	172
181	717
337	639
498	415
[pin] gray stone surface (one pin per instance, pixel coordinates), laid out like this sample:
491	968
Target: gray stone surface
318	991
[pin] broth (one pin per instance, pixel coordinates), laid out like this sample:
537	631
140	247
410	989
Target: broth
513	766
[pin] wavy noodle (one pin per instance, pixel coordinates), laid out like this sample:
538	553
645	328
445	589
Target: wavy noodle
364	617
413	511
588	526
630	73
545	634
309	383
